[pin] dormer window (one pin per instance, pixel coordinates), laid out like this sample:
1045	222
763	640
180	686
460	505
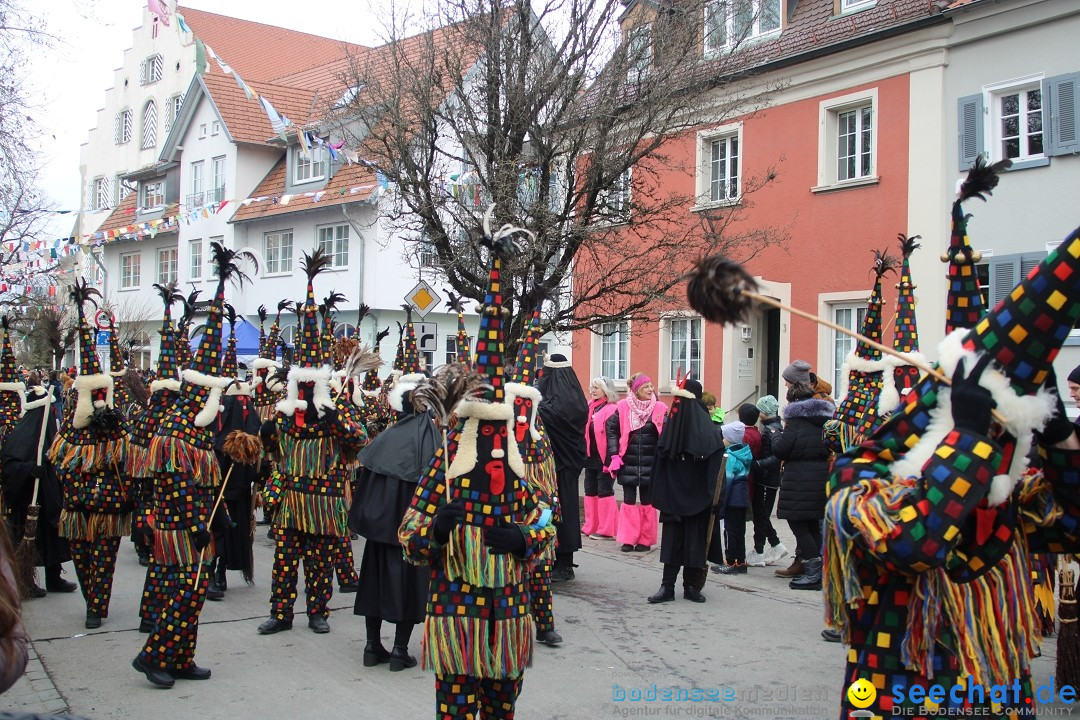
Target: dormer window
638	53
308	165
730	24
348	96
849	5
152	194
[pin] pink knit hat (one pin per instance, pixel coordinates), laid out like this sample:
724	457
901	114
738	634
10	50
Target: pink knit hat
638	382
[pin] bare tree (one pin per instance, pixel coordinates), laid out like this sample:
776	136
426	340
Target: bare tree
50	331
550	113
133	317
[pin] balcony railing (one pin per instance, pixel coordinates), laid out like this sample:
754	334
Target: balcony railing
199	199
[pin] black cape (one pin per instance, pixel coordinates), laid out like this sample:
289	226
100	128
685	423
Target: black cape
688	458
565	412
390	468
19	458
233	540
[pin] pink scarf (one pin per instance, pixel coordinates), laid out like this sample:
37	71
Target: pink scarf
640	410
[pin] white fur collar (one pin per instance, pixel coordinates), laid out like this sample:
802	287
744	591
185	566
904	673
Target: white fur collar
159	384
889	400
402	385
557	363
513	390
209	412
319	377
683	393
1023	415
466	456
84	385
41	399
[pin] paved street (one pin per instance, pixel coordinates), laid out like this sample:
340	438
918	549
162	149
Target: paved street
754	640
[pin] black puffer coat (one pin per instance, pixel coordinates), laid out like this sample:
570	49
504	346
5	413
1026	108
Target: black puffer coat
637	461
766	469
802	449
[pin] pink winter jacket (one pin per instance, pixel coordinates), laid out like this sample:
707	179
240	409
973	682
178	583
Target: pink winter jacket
597	417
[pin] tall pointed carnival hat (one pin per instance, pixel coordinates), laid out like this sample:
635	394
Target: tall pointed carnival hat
93	387
12	388
864	367
168	362
520	387
310	363
964	306
263	368
486	457
372	385
183	331
121	393
905	333
205	378
461	340
409	372
230	366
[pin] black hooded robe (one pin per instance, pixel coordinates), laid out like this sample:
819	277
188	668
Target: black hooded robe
565	413
689	456
390	467
20	453
233	543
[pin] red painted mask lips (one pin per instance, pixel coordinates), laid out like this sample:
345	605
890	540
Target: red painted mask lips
497	472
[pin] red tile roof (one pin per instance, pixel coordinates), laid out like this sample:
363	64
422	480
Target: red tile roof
337	192
245	119
123	215
264	53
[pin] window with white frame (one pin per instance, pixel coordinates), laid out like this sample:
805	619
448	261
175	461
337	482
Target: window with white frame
451	348
101	193
615	350
345	330
684	347
847	5
614	201
638	53
123	189
172	110
847	144
727	23
1018	122
167	265
428	255
149	125
130	271
198	177
153	194
152	68
850	316
217	178
195	259
308	166
719	165
277	251
215	127
333	240
123	126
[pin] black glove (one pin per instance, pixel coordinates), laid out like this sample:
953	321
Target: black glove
1058	428
971	402
505	540
447	518
37	471
201	538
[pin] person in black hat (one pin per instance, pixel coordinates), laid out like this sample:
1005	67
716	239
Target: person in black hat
1073	383
565	412
688	459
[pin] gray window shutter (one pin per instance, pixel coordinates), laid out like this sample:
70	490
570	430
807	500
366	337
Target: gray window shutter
1063	94
1028	262
970	131
1004	276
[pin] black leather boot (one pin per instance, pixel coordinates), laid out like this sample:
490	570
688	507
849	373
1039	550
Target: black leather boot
666	593
375	654
401	659
811	578
54	582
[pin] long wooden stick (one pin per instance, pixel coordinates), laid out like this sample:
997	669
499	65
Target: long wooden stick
713	520
933	372
210	522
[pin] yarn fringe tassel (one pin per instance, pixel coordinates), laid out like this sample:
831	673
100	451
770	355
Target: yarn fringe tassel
315	514
480	647
307	457
76	525
177	547
469	561
137	462
172	455
73	457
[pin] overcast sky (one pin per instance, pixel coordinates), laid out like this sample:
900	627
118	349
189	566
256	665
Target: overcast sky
69	80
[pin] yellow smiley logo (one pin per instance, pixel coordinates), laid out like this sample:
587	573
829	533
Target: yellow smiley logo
861	693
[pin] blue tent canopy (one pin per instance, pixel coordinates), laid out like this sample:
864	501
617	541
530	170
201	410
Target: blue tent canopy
247	338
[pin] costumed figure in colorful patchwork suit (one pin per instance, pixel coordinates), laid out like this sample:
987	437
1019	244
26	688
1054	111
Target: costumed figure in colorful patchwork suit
481	529
934	516
233	540
186	480
864	368
540	476
905	335
130	393
29	479
339	350
266	397
377	412
12	394
89	454
164	393
307	490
